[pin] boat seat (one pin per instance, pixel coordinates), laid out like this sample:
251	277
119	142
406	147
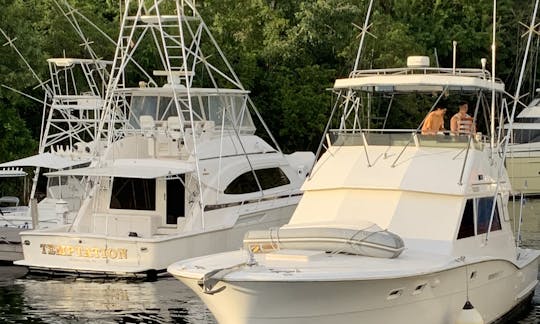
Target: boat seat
174	128
148	125
148	128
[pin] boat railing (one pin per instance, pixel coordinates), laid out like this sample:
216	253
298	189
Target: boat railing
404	137
272	199
467	72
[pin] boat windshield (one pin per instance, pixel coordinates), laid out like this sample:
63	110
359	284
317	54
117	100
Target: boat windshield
229	110
340	138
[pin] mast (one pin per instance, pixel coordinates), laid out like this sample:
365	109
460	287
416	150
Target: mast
493	49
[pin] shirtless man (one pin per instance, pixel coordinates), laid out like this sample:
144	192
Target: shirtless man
434	122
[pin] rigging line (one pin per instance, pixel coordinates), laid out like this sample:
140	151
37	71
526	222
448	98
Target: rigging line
420	126
388	110
214	82
25	95
469	139
321	143
233	121
493	58
121	58
518	236
511	120
73	10
179	11
11	44
364	31
239	84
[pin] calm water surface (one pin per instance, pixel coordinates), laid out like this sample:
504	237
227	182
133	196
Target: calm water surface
163	301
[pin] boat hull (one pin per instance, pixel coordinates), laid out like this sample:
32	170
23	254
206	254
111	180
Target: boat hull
524	173
10	244
94	255
429	298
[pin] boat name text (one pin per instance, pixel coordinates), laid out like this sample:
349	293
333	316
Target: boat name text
84	252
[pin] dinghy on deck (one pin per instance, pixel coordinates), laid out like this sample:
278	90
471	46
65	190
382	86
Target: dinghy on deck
370	240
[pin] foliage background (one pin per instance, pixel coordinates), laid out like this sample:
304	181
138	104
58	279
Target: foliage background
288	53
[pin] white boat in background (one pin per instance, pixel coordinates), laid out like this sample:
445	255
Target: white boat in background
444	197
184	175
12	212
72	110
523	157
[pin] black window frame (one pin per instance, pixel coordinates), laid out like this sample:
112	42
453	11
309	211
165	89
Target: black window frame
467	227
484	206
142	195
478	210
245	183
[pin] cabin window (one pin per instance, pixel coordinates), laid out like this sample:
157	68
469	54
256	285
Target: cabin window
268	178
484	206
58	181
142	105
466	229
523	136
133	193
175	200
481	207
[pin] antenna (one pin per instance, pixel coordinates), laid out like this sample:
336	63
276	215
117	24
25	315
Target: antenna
493	48
363	35
454	46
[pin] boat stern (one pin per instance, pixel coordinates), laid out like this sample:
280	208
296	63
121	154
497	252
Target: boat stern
65	253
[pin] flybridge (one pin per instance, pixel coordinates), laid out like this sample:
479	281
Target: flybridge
402	80
420	78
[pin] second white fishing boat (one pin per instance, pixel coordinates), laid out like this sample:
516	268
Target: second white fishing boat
184	174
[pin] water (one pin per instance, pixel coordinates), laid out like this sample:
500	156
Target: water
91	301
163	301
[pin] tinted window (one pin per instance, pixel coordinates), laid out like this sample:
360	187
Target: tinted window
522	136
57	181
484	206
466	229
175	200
268	178
138	194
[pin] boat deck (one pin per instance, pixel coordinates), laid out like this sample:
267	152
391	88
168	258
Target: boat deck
304	265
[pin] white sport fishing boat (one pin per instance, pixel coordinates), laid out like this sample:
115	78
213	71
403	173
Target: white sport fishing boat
393	227
185	175
72	110
68	136
523	158
73	104
444	196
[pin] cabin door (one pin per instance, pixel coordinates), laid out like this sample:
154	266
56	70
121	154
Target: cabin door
175	200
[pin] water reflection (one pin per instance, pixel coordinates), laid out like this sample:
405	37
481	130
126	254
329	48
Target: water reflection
530	226
82	301
530	237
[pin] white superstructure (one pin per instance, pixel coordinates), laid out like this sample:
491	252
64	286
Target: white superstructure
183	173
445	196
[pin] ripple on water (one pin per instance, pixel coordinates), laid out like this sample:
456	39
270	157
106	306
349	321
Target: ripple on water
83	301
